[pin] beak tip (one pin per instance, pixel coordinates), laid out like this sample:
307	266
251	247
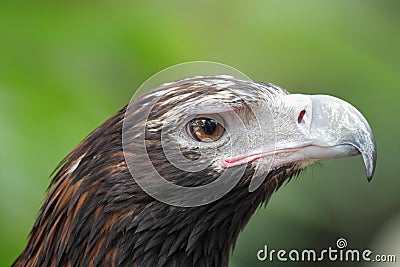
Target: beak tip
370	168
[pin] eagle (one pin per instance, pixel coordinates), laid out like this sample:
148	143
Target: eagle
173	177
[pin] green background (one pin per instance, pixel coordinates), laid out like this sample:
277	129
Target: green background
65	68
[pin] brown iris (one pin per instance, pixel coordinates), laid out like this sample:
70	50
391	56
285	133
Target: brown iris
205	129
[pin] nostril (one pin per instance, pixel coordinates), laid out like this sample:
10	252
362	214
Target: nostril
301	116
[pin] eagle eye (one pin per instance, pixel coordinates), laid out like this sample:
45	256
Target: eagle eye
205	129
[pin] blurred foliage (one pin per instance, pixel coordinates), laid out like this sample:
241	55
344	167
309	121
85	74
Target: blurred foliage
66	67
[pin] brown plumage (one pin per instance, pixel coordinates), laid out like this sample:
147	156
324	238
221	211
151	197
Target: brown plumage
96	214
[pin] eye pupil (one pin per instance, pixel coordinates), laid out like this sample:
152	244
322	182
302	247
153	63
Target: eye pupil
205	129
209	126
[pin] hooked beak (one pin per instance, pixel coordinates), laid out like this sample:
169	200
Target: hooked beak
325	127
339	130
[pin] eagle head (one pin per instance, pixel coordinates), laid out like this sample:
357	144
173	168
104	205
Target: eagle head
173	177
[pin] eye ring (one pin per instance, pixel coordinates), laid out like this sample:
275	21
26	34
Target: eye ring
205	129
